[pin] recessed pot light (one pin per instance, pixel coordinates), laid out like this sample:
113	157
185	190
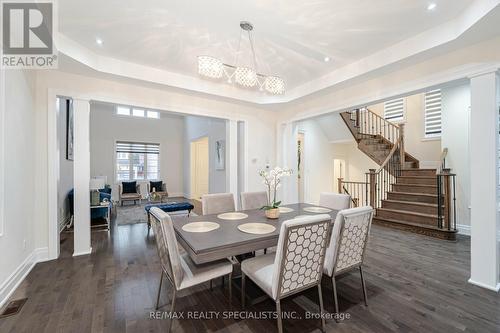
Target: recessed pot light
98	41
326	59
431	6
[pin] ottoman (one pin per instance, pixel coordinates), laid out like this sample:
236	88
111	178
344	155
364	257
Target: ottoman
168	208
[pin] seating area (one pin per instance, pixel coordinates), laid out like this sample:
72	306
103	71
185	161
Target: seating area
250	167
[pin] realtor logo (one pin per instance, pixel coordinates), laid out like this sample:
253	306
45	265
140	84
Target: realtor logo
27	30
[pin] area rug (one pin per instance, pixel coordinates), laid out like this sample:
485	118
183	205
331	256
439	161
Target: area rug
132	214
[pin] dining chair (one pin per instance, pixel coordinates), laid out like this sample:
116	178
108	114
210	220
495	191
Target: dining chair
334	201
297	264
348	246
180	270
253	200
217	203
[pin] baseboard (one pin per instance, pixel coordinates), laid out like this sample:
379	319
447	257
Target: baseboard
482	285
179	194
463	229
82	253
14	280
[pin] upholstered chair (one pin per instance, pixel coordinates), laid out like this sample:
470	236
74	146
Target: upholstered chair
162	194
217	203
129	196
180	270
334	201
297	264
348	245
253	200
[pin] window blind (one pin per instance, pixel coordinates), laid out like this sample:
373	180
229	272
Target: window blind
433	112
137	147
394	109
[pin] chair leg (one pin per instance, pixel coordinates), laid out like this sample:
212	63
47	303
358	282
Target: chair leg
278	312
321	310
211	285
159	291
265	251
335	298
222	284
230	282
242	290
365	296
172	311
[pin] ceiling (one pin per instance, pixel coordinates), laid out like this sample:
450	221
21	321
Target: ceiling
158	38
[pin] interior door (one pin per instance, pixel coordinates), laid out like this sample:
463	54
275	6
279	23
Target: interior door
199	168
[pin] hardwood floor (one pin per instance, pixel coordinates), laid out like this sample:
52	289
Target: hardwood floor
415	284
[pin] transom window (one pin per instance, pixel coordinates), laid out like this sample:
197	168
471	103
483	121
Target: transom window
137	112
394	110
433	113
137	161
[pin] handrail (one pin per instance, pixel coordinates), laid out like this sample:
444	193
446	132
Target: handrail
388	158
368	122
442	160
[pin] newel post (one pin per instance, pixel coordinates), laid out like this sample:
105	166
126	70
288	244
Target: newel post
339	185
357	117
373	187
447	198
402	145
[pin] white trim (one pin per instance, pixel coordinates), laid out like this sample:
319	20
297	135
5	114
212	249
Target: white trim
342	141
2	140
431	138
463	229
482	285
82	253
14	280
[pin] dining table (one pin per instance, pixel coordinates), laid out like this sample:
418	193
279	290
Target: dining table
227	238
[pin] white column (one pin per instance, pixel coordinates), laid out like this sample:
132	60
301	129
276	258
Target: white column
232	158
484	181
290	192
81	177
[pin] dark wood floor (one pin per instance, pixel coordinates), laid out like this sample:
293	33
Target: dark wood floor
415	284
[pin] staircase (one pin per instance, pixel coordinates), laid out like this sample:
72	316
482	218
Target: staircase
404	196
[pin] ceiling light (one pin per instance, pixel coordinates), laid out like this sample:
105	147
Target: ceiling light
431	6
98	41
247	77
326	59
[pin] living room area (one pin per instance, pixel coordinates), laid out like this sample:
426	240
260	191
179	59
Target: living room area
140	158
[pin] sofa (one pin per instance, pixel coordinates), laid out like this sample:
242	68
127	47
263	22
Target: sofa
96	213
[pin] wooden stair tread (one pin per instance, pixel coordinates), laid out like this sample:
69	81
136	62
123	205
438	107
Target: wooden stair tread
417	177
416	194
420	185
425	226
407	212
411	203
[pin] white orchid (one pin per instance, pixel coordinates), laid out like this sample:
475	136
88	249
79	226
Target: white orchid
272	180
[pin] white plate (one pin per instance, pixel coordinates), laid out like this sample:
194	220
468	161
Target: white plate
285	210
257	228
301	216
232	216
200	226
317	210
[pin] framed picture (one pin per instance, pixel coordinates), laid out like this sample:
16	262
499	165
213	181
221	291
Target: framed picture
69	130
220	155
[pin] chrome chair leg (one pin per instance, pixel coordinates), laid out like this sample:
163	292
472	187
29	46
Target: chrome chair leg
365	296
172	311
159	291
242	290
321	309
335	298
278	312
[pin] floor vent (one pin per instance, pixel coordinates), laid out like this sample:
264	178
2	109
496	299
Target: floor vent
13	308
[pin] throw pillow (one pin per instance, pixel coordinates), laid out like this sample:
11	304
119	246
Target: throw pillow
156	185
129	187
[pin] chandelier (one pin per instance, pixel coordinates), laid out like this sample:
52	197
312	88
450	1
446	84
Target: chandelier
244	76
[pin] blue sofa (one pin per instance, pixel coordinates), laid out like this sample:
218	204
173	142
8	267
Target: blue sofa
94	213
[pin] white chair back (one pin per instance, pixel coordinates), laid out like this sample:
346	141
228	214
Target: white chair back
300	254
217	203
166	243
334	201
253	200
349	239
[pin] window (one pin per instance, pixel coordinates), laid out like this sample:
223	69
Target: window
433	113
136	112
394	109
123	110
137	161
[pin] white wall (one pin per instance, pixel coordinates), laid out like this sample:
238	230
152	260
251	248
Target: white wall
317	163
17	245
106	128
455	137
65	167
215	129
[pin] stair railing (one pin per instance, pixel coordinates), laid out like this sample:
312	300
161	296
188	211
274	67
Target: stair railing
447	201
381	180
369	123
357	190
